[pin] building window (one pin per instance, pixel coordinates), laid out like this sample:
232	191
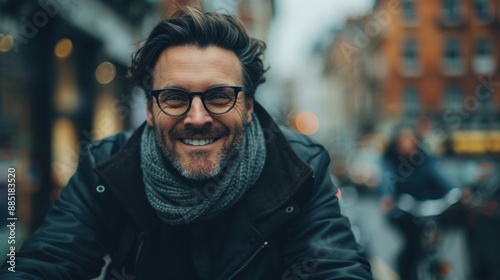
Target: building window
409	12
410	57
453	96
411	103
451	11
485	98
453	57
482	9
483	60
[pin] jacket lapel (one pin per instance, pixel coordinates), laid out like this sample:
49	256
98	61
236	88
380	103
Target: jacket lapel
123	175
283	174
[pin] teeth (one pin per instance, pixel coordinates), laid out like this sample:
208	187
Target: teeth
196	142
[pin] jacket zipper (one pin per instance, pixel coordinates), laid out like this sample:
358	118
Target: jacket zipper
245	264
137	257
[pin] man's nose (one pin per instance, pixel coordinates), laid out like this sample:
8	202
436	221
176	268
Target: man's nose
197	116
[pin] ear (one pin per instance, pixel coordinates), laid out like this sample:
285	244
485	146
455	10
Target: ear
149	112
249	108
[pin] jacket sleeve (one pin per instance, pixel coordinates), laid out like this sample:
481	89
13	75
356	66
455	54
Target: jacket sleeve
320	242
70	243
441	183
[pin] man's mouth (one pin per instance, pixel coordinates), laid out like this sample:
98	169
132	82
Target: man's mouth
198	142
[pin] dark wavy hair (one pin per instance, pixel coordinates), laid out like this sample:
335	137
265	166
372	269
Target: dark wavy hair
190	26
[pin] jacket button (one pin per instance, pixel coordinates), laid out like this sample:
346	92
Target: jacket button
100	189
289	209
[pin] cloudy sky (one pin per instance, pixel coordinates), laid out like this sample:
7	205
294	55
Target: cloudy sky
300	23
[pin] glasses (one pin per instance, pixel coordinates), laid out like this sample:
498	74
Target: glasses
176	102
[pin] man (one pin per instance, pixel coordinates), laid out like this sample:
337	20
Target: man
208	188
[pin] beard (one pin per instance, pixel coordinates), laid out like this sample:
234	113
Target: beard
196	167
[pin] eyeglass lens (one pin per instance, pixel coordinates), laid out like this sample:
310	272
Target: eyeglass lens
217	100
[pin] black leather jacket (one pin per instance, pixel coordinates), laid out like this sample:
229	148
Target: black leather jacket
287	226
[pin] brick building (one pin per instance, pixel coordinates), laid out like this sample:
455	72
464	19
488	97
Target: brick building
432	60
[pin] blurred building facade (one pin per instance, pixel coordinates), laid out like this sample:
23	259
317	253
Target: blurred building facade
62	76
430	62
63	66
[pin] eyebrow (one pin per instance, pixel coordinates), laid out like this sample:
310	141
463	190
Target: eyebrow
185	89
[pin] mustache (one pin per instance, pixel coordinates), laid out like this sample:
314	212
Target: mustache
206	131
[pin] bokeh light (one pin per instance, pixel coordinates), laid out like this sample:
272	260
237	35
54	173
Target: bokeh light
307	123
6	42
63	48
64	150
105	72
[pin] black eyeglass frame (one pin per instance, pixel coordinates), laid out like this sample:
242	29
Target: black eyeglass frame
237	89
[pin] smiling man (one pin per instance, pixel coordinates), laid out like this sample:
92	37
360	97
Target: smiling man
200	142
209	187
201	119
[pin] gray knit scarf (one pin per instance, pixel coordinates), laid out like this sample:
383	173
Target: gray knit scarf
178	203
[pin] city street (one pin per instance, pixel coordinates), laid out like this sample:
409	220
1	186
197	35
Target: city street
403	96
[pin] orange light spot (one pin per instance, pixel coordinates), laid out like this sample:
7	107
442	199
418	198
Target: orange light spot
105	72
307	123
63	48
6	42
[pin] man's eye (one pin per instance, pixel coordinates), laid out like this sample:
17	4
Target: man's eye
173	97
217	96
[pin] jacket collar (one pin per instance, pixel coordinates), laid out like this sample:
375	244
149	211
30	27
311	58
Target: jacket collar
122	174
283	175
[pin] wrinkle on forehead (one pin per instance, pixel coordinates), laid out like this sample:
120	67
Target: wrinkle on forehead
194	68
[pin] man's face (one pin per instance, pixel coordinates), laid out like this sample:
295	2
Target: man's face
197	69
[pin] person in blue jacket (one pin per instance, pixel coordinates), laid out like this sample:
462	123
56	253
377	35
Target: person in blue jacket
409	169
209	187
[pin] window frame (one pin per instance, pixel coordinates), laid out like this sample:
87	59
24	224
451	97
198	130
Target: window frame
454	66
453	14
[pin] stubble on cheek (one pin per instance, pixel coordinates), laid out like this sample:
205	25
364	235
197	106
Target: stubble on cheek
195	165
199	165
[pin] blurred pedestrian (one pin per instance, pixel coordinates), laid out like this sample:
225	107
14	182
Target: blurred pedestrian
408	169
